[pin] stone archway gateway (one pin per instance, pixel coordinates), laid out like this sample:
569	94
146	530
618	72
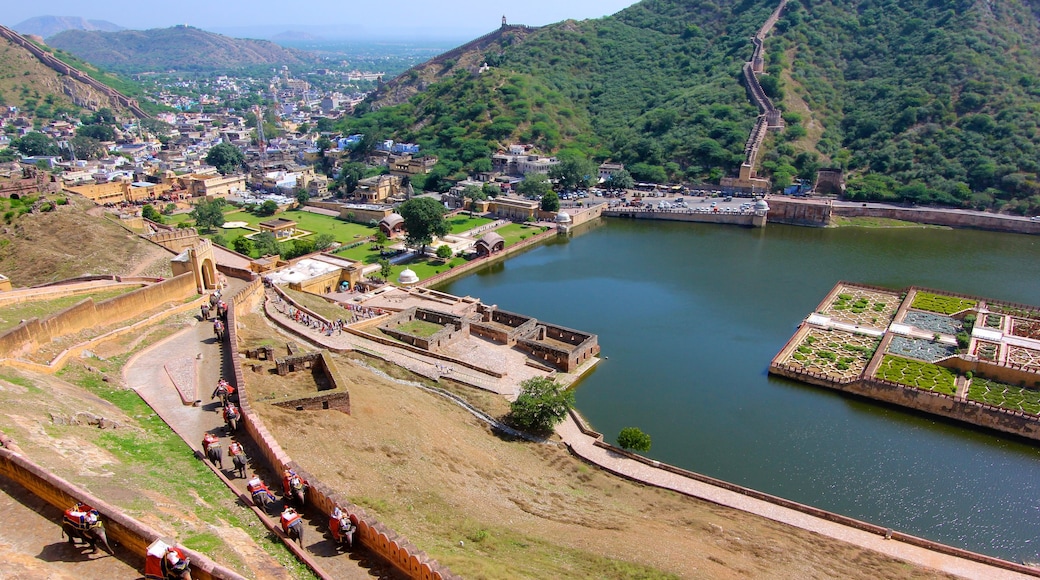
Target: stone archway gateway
199	260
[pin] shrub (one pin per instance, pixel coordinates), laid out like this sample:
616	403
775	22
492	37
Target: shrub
541	404
633	438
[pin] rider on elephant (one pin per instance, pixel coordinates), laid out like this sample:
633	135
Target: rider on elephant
340	524
231	412
255	486
235	449
208	440
174	563
224	389
289	517
291	481
82	516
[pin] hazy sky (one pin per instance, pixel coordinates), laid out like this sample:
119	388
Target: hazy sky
430	18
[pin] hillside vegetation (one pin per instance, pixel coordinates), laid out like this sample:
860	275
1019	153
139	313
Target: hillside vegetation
918	100
176	48
44	26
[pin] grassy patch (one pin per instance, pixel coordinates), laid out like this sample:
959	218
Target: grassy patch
343	231
917	374
155	451
941	304
1004	395
461	223
11	316
876	222
513	233
420	328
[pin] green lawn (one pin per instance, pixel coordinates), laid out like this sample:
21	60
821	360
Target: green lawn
1004	395
462	223
343	231
941	304
512	233
419	328
11	316
917	374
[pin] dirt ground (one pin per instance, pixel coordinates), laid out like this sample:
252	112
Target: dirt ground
490	507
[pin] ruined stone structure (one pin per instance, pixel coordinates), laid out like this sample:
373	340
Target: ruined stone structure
32	182
830	181
453	328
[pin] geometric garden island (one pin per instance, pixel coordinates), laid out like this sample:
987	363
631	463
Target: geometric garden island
962	357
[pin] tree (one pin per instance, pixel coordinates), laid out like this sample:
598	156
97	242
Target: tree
474	193
243	245
349	176
269	207
265	244
381	239
323	242
225	157
551	202
84	147
534	185
620	179
35	144
99	132
385	269
633	438
302	196
491	190
541	404
424	219
444	252
149	213
574	171
208	214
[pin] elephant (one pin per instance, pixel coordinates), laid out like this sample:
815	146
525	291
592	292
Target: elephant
92	535
298	491
215	454
295	531
343	531
264	500
240	464
218	330
232	418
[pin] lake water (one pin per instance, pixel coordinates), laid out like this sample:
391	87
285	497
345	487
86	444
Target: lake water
690	316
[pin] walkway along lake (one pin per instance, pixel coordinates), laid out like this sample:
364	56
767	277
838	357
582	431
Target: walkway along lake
690	316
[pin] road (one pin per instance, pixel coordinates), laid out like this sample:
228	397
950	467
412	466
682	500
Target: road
153	374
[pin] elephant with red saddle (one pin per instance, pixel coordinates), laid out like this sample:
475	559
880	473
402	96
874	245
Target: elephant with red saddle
82	522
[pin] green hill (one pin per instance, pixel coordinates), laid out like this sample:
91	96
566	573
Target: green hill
918	100
176	48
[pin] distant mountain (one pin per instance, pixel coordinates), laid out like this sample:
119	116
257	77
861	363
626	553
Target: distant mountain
46	26
295	36
177	48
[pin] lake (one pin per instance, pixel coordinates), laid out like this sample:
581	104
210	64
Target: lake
689	316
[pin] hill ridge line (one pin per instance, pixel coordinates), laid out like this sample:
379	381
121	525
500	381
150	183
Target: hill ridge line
69	70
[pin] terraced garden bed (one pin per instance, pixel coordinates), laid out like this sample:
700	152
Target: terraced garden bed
841	355
1026	328
917	374
933	322
863	306
994	321
922	349
1004	395
1025	357
987	350
942	304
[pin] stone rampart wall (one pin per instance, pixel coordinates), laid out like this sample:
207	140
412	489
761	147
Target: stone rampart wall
335	401
32	333
941	217
786	211
681	216
383	542
128	532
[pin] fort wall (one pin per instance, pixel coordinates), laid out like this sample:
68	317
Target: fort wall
119	527
33	333
382	541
